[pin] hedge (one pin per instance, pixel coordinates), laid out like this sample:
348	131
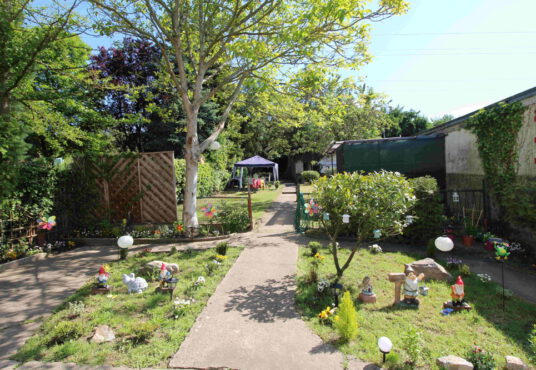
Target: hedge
209	179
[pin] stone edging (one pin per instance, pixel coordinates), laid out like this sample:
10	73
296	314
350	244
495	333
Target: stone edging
138	241
23	261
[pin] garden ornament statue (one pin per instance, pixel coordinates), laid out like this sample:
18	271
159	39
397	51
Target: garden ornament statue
134	284
367	295
101	286
457	294
164	275
102	278
411	288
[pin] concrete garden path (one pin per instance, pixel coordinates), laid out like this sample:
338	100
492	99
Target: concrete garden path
251	322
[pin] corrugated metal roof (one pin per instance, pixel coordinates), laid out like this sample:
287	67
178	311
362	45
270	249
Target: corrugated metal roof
512	99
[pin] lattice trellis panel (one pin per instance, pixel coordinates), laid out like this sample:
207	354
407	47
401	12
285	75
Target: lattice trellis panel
157	181
142	187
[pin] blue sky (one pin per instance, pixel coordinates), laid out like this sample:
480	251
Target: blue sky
450	56
454	56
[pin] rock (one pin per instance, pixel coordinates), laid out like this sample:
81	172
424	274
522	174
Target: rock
103	333
515	363
430	268
171	267
452	362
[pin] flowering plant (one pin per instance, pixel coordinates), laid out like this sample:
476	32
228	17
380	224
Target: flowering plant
326	314
453	262
485	278
480	358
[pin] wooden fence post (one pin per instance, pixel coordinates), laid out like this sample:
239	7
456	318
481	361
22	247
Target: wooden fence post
250	210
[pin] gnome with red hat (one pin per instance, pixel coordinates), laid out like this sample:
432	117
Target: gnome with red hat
458	293
165	275
102	278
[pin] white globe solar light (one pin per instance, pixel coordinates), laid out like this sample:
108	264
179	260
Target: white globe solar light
444	243
125	241
345	218
215	145
385	346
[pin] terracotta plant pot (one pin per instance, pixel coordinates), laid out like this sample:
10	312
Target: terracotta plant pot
468	240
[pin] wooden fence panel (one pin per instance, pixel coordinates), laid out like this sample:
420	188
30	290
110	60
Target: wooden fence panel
157	181
142	187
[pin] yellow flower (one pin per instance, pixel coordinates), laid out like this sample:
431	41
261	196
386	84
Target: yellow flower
220	257
319	256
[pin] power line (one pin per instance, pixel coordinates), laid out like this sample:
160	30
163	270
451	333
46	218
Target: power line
456	33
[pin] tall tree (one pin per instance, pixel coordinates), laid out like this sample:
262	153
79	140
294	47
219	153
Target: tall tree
246	39
26	32
407	122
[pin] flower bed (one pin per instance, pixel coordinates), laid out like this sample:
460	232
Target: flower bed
149	327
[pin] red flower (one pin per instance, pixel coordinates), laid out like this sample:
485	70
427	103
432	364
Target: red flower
180	228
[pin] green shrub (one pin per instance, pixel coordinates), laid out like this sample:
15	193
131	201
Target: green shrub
465	270
480	359
428	211
209	179
413	343
431	249
346	319
314	247
221	248
65	331
309	176
277	184
532	342
232	217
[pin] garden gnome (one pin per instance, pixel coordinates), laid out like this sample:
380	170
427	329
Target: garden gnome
102	278
367	295
411	287
165	275
458	293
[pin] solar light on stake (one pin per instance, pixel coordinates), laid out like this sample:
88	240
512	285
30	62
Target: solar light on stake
124	243
455	197
385	345
346	218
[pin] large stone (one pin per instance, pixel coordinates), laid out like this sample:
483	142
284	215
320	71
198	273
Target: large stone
171	267
430	268
103	333
515	363
452	362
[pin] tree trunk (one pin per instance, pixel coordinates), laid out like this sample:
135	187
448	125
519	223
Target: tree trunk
191	156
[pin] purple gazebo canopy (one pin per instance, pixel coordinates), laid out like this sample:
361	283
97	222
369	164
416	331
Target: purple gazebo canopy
258	161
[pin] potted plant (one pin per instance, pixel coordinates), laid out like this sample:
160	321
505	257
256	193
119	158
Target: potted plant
470	226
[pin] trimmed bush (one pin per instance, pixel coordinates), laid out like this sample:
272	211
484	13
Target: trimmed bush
65	331
232	217
428	211
314	247
221	248
346	319
309	176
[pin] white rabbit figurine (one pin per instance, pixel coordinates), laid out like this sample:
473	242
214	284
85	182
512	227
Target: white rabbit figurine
134	284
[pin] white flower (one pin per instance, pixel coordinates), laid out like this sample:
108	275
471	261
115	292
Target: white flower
200	280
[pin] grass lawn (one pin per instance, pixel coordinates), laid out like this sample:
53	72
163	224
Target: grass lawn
486	325
147	326
261	200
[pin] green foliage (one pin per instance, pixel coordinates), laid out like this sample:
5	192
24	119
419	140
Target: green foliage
413	344
314	247
497	129
428	211
309	176
407	123
346	319
277	184
141	332
481	360
431	249
221	248
232	217
464	270
209	181
380	200
532	342
65	331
